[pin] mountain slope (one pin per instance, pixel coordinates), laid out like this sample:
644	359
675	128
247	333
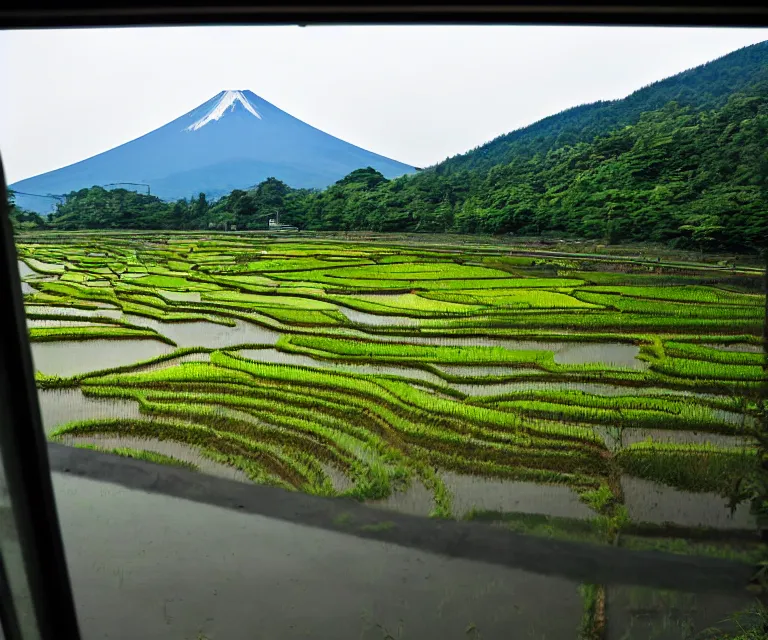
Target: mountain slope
234	140
688	176
694	179
705	87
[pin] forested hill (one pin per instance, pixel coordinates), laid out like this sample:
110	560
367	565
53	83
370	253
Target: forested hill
705	87
690	176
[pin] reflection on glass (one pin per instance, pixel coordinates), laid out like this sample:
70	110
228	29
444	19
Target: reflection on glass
12	563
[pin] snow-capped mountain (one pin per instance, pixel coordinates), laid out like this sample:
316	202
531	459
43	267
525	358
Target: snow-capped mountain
233	141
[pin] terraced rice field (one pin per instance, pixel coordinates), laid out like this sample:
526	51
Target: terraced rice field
469	384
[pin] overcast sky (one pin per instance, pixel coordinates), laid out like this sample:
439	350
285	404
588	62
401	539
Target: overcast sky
415	94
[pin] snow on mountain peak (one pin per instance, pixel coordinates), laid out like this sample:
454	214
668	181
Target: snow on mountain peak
228	100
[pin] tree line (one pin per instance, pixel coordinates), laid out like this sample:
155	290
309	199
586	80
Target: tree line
679	176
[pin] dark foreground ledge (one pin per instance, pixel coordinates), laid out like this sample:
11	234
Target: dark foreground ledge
468	540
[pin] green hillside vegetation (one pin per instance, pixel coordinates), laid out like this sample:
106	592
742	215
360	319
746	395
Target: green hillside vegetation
682	162
702	88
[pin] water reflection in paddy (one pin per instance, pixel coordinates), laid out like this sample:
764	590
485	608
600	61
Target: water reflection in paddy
339	480
372	319
648	501
475	492
616	354
208	334
59	406
24	270
183	452
44	266
645	613
489	494
180	296
632	435
42	324
106	312
274	356
166	364
82	356
416	500
479	370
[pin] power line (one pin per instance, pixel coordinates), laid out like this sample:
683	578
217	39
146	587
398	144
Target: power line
39	195
63	197
133	184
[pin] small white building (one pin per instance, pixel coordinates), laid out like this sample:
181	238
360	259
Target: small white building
274	225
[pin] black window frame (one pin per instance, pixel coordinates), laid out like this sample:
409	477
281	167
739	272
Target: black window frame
28	459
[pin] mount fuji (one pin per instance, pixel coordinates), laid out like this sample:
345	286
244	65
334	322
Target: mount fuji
233	141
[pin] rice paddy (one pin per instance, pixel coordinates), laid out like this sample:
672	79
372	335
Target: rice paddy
454	384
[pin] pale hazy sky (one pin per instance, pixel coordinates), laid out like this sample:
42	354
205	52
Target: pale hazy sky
415	94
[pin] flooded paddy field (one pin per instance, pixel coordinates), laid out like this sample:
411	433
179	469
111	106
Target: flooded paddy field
537	398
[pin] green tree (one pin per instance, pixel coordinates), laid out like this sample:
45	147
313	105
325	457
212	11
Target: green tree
703	229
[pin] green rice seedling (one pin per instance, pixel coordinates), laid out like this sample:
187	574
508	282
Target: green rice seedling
55	334
412	430
602	499
305	317
513	298
254	300
46	381
319	437
458	463
379	389
140	454
690	293
698	352
74	317
238	447
73	290
172	283
288	425
718	339
194	372
159	312
255	472
411	271
482	415
396	352
593	619
421	355
705	370
247	283
696	468
178	265
72	276
373	473
598	321
645	306
405	304
258	401
667	404
610	280
691	417
279	265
